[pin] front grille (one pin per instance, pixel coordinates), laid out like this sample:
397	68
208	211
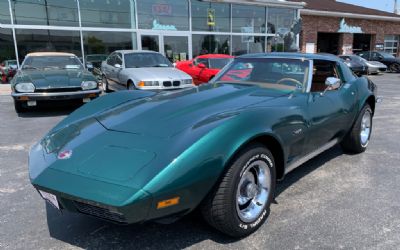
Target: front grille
176	83
57	90
167	83
100	212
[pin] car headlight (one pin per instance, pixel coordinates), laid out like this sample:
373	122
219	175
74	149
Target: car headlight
187	81
89	85
148	83
25	87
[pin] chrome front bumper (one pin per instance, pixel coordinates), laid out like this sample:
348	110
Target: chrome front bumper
38	96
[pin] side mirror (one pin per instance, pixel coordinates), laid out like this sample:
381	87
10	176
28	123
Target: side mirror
332	83
118	66
201	65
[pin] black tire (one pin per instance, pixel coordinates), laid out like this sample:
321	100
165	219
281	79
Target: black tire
104	83
221	209
130	85
394	67
353	142
19	107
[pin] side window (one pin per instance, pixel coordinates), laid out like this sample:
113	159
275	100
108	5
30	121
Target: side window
322	70
118	59
203	61
110	60
348	75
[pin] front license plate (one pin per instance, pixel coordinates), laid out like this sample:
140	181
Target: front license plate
31	103
51	198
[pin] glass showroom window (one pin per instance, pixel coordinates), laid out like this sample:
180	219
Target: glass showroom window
108	13
210	44
248	19
47	40
247	44
391	44
280	20
7	51
105	42
4	13
166	15
207	16
45	12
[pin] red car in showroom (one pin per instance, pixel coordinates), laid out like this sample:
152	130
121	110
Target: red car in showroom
204	67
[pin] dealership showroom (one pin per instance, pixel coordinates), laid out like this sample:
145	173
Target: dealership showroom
200	124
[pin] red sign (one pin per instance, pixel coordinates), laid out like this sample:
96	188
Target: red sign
162	9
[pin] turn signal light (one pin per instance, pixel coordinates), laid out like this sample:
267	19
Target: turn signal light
168	203
141	84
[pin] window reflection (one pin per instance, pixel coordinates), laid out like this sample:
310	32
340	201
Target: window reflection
7	51
248	19
280	20
108	13
210	44
47	40
247	44
4	12
102	42
207	16
45	12
167	15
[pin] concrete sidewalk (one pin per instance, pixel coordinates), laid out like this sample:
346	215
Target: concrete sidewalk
5	89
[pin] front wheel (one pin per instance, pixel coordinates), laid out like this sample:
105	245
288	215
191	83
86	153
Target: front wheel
19	107
395	68
240	203
357	139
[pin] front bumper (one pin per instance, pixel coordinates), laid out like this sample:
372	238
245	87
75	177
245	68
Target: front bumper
46	96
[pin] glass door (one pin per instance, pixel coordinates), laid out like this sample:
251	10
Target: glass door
176	48
150	42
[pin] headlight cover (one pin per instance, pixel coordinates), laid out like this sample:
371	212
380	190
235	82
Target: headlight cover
187	81
148	83
86	85
25	87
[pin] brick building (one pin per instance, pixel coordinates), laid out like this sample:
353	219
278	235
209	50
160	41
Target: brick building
340	28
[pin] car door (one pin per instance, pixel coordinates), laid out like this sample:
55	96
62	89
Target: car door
330	111
197	71
107	66
116	71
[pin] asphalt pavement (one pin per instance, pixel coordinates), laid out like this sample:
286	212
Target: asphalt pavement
334	201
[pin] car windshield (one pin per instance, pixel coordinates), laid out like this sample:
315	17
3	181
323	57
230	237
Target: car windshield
145	60
273	73
96	58
386	55
219	63
12	62
52	62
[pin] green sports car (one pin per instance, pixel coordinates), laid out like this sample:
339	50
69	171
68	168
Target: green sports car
135	156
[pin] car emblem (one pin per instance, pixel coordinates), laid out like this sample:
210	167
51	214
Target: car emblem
64	155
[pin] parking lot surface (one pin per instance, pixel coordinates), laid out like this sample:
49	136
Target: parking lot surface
334	201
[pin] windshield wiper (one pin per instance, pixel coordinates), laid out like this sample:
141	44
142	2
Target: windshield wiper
29	67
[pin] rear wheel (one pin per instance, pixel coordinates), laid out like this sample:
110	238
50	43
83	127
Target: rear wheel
19	107
240	203
358	138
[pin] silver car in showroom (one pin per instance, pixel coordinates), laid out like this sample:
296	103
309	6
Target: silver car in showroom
145	70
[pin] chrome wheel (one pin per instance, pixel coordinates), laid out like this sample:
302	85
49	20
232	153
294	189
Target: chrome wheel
395	67
253	191
366	124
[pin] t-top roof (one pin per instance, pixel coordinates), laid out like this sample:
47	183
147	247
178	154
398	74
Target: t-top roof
334	6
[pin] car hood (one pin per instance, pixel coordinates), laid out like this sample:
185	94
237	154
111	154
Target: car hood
167	114
156	73
54	78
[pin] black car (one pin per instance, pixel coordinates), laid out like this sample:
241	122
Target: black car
393	63
358	66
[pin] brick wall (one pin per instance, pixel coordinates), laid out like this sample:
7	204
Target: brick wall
314	24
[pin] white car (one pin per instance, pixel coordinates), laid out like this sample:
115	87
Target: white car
146	70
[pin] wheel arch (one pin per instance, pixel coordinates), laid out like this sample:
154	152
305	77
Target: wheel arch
371	101
272	143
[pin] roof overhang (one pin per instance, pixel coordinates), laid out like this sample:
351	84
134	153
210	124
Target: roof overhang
347	15
273	3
